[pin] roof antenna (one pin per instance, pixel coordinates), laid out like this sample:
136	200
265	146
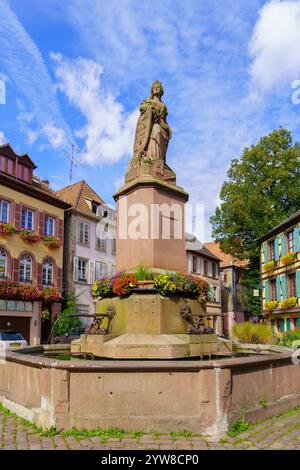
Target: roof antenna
73	161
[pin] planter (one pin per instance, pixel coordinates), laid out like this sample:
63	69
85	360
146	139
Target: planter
272	305
145	284
289	258
7	229
29	236
288	303
269	267
52	242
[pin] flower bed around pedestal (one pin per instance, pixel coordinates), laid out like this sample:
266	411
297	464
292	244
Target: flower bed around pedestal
168	284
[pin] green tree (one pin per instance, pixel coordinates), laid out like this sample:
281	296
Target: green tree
64	321
262	189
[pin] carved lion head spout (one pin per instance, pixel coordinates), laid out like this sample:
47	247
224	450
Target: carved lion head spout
157	89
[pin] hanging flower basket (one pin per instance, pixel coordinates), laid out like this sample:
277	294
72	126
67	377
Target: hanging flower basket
30	236
7	229
52	242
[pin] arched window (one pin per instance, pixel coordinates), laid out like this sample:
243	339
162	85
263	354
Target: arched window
48	272
3	265
26	269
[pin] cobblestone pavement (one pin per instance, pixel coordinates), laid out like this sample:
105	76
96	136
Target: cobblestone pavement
281	432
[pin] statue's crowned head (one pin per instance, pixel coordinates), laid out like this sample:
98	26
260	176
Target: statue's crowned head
157	84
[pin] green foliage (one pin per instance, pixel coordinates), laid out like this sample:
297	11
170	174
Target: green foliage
287	338
87	433
64	321
253	333
181	284
261	191
270	266
182	433
239	427
263	403
142	273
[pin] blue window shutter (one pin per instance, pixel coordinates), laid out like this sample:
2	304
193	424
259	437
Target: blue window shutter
278	288
298	283
267	291
296	236
281	325
288	324
283	286
283	244
298	323
276	249
266	252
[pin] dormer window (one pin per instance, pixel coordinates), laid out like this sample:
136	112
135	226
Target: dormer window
7	165
24	173
95	206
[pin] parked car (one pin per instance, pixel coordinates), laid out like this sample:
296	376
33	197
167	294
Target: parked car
11	339
70	336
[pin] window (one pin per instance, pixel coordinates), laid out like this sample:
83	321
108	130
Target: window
95	206
273	295
10	166
194	266
24	173
210	268
83	233
4	211
100	269
113	246
205	267
272	250
101	244
113	270
3	265
291	241
214	269
292	285
49	226
48	272
26	269
27	219
82	270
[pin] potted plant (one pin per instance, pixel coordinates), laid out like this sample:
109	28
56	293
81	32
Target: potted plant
145	277
7	229
52	242
30	236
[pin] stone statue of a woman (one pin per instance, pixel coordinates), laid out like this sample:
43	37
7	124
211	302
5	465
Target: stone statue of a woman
152	132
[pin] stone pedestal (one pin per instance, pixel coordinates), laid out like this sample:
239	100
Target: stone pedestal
150	224
149	326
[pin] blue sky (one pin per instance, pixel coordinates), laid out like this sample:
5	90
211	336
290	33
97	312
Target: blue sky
79	69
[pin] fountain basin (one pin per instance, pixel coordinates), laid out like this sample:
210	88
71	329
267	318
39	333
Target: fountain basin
163	396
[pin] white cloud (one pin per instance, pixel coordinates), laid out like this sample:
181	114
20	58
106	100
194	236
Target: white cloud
2	138
275	44
27	74
109	131
55	135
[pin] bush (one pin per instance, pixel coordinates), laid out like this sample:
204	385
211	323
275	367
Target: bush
253	333
64	321
287	338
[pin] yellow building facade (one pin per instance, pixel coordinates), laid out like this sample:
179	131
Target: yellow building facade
31	245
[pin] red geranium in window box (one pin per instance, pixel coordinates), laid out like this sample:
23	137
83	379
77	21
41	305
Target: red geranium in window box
7	229
52	242
30	236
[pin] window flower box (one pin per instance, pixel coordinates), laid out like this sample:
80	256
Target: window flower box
272	305
289	258
50	294
52	242
30	236
7	229
288	303
270	267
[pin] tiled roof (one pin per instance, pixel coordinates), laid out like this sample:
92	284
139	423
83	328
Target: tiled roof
78	195
226	259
